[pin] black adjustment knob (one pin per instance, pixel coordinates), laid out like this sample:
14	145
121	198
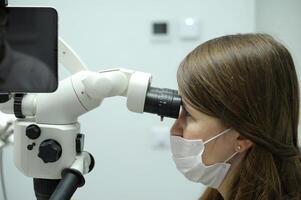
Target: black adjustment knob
50	151
33	131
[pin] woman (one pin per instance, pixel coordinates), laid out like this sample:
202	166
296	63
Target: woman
237	132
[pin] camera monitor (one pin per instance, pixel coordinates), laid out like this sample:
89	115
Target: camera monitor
28	50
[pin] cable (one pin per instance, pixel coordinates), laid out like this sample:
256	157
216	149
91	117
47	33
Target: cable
5	138
2	176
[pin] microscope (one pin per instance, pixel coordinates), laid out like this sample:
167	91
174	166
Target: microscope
48	142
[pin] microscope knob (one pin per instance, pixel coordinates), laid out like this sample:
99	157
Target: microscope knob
50	151
33	131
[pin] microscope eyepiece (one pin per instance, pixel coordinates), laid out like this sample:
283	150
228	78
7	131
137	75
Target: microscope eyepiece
164	102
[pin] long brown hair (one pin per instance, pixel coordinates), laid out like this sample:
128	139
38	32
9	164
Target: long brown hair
249	82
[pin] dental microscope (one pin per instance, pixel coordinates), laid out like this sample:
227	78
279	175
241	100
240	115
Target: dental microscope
48	142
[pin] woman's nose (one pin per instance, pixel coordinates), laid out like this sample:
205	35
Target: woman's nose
177	127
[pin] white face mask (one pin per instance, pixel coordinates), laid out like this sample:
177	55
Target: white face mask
187	155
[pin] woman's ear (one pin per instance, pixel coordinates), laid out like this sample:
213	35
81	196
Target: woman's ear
242	144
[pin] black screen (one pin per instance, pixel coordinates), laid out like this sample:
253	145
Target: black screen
28	49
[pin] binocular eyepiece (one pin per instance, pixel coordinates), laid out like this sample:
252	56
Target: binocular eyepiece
164	102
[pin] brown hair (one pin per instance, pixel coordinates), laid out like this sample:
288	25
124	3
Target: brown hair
250	83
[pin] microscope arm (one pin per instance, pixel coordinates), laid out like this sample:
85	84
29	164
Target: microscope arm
69	59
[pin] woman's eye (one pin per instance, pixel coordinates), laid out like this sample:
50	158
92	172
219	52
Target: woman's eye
186	114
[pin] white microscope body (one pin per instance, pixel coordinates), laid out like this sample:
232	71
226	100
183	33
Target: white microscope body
48	139
48	142
56	115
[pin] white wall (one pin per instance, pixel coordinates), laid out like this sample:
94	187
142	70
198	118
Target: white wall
282	20
115	33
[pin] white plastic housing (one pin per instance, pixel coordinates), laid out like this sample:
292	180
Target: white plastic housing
92	87
30	164
137	90
60	107
82	163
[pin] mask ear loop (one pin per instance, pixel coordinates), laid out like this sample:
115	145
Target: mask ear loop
214	137
236	152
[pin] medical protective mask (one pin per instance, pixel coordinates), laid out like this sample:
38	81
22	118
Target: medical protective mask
187	155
